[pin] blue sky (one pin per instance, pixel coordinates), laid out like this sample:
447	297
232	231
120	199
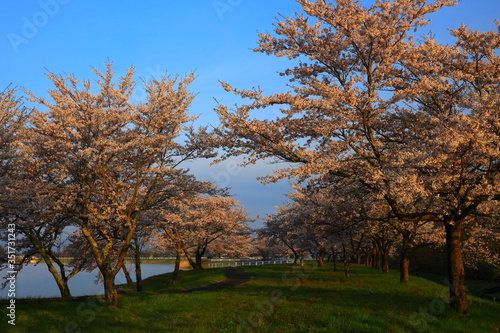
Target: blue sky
211	37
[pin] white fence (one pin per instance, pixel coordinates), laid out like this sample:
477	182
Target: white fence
249	263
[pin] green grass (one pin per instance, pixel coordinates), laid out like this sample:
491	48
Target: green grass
278	298
163	283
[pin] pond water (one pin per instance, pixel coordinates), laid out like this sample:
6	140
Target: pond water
34	280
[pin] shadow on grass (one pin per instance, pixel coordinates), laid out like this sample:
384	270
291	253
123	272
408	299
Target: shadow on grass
277	299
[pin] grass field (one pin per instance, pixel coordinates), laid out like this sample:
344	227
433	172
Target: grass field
278	298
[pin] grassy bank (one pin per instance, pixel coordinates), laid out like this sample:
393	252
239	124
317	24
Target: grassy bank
278	298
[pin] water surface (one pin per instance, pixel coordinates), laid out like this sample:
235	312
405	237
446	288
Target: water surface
34	280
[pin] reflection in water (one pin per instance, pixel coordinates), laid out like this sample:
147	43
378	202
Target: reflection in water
36	281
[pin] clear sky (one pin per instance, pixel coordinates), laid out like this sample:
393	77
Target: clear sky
211	37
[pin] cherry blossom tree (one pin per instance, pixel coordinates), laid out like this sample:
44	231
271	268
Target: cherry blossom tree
414	236
216	218
412	120
111	160
268	247
46	238
13	115
482	239
199	220
39	230
171	235
237	244
282	228
142	238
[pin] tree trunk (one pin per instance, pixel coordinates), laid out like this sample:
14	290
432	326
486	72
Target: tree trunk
376	257
199	255
385	260
127	276
199	260
368	257
138	271
456	272
59	276
191	261
334	256
404	264
177	267
346	264
62	284
61	281
295	257
110	293
321	256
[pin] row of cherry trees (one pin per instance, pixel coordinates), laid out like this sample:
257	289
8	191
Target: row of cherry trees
357	229
393	135
377	103
92	163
